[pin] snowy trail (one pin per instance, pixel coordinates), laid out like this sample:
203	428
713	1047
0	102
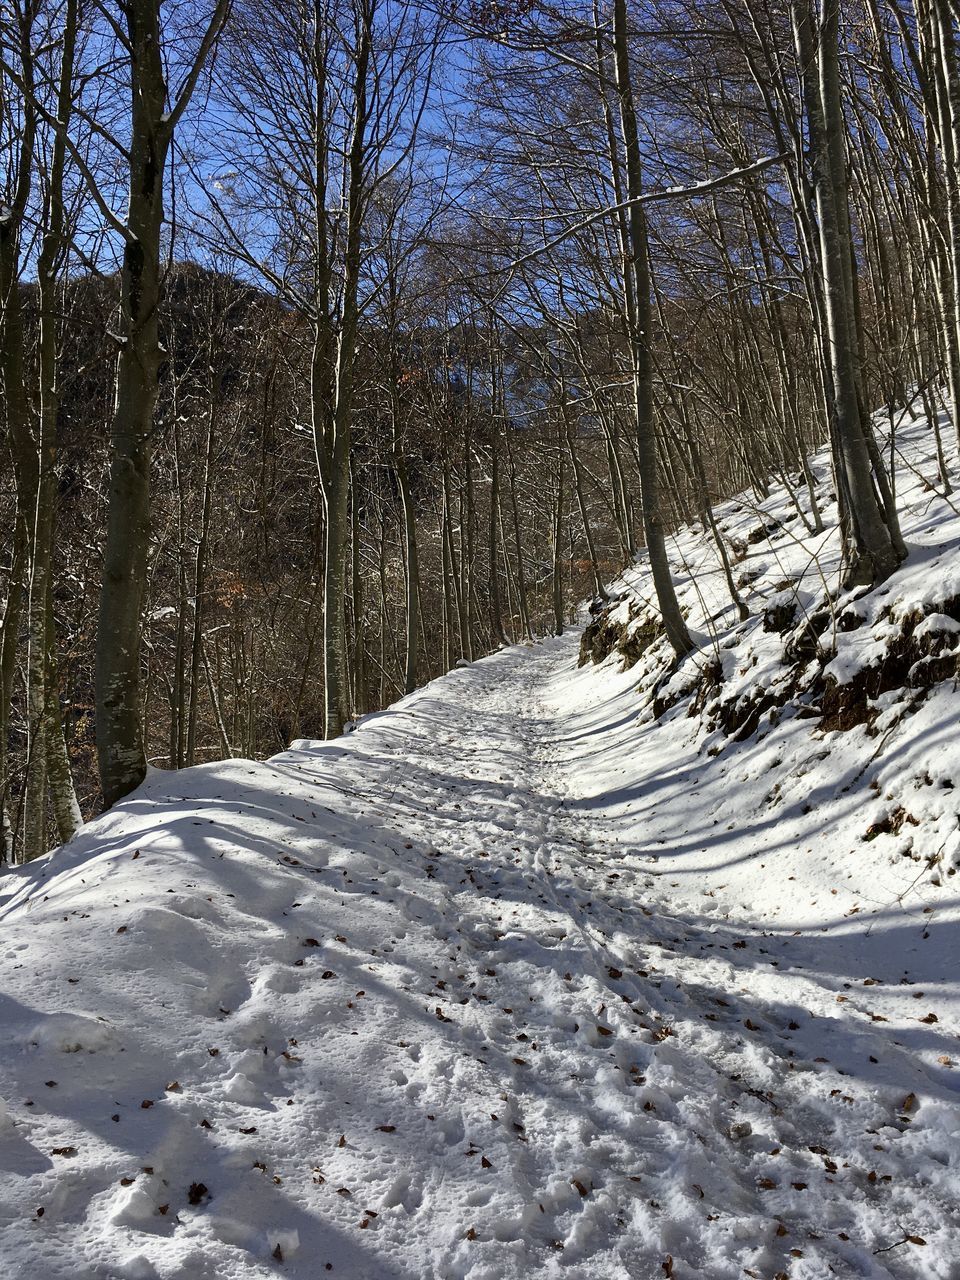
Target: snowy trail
427	1002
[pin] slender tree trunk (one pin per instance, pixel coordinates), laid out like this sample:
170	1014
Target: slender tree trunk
9	637
120	747
518	543
578	487
200	571
56	763
411	575
876	555
498	403
493	520
556	535
948	87
641	327
334	450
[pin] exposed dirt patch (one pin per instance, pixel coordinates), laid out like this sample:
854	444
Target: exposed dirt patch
762	533
919	654
780	615
710	682
803	644
603	636
892	824
911	660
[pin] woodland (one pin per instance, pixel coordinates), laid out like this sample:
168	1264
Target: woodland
343	342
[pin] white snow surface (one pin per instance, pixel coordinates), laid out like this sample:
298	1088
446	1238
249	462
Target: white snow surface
514	980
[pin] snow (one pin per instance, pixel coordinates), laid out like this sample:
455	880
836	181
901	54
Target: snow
515	980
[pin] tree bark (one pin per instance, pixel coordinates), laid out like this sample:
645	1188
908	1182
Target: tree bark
641	330
119	732
875	556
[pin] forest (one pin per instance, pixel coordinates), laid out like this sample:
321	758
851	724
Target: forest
342	342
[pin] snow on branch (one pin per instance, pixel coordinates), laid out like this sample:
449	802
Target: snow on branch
650	197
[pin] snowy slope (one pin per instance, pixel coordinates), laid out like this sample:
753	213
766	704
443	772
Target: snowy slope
516	980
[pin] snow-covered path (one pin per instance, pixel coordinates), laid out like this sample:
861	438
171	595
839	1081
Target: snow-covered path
424	1003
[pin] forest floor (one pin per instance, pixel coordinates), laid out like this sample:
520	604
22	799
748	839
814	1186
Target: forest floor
514	980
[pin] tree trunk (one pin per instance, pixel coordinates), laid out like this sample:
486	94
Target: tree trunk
556	534
59	779
335	425
641	331
875	557
120	748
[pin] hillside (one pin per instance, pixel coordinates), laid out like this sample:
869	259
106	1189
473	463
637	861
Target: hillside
555	968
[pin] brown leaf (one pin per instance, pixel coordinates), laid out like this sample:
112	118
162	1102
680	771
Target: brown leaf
470	1234
64	1151
485	1163
386	1128
196	1193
